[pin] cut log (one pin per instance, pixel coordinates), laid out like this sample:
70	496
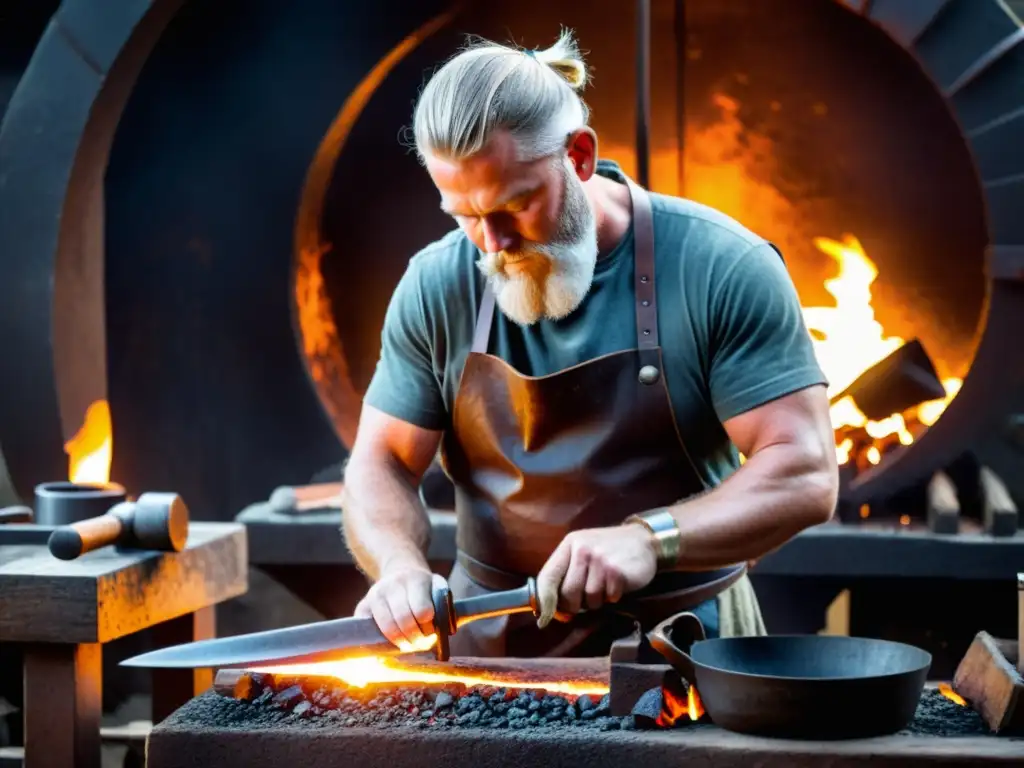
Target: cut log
999	512
991	685
902	380
943	504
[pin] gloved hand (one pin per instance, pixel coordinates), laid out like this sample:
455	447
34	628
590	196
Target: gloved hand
595	566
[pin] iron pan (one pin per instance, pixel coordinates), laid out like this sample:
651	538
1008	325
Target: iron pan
797	686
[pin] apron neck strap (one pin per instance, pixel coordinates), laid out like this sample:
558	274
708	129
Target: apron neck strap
643	280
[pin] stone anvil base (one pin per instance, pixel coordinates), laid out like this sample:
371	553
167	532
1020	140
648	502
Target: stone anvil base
188	740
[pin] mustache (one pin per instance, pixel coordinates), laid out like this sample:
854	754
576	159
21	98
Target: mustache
493	263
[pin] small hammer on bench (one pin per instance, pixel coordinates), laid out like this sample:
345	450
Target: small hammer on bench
155	521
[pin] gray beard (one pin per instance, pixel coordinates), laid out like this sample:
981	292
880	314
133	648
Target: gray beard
571	256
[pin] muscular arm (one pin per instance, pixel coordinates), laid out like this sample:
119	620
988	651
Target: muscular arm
789	482
386	527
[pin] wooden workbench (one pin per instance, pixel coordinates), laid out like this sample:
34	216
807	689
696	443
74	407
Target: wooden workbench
63	612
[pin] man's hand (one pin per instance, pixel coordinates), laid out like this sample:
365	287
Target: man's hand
595	566
402	605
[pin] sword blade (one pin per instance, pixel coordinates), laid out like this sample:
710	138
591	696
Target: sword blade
319	641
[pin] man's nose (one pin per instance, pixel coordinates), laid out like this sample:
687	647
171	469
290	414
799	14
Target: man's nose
498	237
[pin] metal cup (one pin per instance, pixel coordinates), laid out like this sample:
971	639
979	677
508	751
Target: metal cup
63	503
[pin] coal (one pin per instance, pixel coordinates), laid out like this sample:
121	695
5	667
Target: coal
319	703
939	716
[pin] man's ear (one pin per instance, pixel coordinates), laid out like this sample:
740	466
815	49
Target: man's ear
582	149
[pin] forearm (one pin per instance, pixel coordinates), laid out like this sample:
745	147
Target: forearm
778	492
385	525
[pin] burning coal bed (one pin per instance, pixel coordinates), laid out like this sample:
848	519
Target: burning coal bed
323	702
260	700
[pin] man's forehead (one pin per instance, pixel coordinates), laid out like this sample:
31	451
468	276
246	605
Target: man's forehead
484	181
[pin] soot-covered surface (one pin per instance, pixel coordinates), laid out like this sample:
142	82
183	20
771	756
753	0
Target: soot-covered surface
412	728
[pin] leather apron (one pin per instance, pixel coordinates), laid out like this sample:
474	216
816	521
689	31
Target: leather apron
535	457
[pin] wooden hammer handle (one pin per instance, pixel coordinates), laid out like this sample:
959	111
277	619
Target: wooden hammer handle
71	541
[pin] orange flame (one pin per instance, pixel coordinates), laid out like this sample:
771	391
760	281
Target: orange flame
848	340
675	707
728	167
947	690
379	670
90	451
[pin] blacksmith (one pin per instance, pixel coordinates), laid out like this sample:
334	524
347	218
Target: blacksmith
591	359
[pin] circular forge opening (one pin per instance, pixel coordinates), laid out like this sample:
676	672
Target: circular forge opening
801	119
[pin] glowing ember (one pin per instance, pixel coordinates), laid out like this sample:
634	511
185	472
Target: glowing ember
382	670
947	690
90	451
675	707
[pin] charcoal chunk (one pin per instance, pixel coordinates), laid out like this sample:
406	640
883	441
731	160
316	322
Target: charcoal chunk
647	709
534	706
604	706
442	700
470	718
589	714
302	709
289	697
584	703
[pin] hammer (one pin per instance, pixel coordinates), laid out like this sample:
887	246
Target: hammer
156	521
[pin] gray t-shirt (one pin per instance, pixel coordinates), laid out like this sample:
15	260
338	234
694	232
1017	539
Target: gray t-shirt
730	324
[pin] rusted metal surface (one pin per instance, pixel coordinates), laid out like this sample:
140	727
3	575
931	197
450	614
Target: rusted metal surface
109	593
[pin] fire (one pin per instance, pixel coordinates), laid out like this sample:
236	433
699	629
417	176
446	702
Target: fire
90	451
729	166
675	707
382	670
947	690
848	340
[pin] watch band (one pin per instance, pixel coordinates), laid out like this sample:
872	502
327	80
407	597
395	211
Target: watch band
667	537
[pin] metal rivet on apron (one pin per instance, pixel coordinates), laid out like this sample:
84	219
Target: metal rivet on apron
647	331
649	374
643	278
646	303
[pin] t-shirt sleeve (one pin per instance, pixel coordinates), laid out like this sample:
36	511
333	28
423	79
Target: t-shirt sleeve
404	383
761	349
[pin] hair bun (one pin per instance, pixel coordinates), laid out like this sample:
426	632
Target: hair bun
571	70
565	59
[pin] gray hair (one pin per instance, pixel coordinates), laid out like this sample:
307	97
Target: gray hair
489	87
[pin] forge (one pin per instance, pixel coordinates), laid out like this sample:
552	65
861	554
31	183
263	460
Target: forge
520	712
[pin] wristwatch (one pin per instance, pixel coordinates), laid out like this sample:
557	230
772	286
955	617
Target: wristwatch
667	537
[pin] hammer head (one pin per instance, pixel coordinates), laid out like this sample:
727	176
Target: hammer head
156	521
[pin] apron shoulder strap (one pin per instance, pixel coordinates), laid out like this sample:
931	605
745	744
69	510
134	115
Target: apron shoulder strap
643	277
482	333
